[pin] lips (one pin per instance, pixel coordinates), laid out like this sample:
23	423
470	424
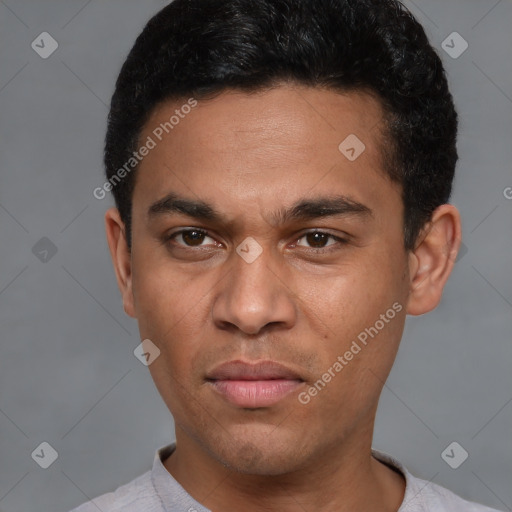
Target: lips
253	385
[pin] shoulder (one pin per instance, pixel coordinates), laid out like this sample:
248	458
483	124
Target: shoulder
427	496
424	496
136	495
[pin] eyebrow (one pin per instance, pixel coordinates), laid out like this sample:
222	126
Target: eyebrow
301	210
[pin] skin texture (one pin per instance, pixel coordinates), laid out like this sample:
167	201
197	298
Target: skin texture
248	156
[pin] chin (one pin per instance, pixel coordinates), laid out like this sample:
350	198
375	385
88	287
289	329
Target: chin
262	455
250	459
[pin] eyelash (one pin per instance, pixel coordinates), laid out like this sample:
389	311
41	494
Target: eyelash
326	249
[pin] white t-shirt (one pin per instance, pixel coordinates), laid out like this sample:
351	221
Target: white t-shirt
157	491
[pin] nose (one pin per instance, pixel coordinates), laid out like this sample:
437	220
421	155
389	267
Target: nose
254	296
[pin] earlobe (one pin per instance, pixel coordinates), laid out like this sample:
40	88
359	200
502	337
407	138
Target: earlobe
431	262
121	257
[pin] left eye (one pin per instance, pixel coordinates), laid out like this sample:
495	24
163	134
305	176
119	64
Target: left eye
318	239
191	237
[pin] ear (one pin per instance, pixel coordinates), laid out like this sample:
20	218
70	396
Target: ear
431	262
121	257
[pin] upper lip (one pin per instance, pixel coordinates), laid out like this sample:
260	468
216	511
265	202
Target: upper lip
262	370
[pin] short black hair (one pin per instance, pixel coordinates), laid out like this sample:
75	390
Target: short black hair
196	48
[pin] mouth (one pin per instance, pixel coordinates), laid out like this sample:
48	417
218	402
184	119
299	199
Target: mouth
252	386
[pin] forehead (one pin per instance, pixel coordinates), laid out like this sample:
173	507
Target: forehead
295	115
281	141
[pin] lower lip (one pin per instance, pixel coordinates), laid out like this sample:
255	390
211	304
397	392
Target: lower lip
253	394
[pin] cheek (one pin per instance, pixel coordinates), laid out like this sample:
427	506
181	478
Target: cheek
169	378
351	296
167	298
173	312
357	311
355	365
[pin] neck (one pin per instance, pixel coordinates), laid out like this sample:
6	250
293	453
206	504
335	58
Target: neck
344	478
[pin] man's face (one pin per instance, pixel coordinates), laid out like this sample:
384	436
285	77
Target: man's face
301	302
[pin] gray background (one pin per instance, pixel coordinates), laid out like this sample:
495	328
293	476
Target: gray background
68	375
